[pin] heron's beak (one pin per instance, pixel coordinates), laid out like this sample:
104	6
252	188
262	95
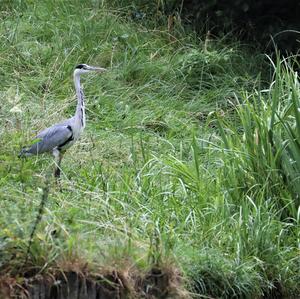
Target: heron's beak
97	69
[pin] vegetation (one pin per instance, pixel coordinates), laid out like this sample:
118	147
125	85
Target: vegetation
189	160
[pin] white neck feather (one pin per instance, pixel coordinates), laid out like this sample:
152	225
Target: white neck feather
80	109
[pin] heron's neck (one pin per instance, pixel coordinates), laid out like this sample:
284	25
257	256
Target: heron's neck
80	109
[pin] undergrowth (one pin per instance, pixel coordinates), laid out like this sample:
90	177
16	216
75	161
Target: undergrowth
189	158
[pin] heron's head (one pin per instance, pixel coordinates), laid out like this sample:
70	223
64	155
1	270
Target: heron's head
84	68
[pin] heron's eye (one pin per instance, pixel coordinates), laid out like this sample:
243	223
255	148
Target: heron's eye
80	66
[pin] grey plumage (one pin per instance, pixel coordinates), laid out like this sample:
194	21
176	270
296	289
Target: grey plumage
57	138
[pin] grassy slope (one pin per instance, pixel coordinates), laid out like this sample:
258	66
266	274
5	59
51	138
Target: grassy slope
142	183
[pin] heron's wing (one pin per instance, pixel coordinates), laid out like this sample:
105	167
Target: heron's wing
49	130
55	136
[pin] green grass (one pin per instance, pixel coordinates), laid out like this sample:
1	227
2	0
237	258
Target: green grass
184	161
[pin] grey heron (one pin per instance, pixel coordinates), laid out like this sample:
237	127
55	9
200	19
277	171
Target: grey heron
59	137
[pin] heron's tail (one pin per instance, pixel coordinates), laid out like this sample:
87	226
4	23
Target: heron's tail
24	153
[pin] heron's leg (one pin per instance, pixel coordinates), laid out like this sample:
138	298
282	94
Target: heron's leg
58	157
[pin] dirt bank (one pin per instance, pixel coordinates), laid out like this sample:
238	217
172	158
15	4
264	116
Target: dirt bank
155	283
